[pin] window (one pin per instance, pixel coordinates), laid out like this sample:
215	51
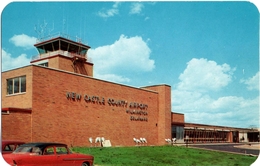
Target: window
9	147
46	64
61	150
49	151
16	85
178	132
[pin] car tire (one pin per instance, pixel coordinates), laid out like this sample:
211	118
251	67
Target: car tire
84	164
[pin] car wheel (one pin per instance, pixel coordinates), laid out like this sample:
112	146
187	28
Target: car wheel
84	164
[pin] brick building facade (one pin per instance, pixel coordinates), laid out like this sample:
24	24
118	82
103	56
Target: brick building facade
62	102
57	99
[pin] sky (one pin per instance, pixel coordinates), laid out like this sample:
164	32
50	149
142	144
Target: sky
208	52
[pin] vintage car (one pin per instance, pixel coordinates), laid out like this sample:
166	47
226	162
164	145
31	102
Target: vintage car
8	146
50	154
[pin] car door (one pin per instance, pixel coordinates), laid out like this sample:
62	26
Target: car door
36	157
48	157
36	160
63	156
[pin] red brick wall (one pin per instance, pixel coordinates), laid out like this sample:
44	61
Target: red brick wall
16	126
57	118
54	62
177	118
164	112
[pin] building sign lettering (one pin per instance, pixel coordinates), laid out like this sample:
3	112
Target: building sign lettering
94	99
73	95
137	111
132	118
138	105
114	102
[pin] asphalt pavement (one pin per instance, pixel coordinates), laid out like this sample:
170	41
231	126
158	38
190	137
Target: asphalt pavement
239	148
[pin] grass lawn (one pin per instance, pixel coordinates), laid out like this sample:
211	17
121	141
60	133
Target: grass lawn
163	156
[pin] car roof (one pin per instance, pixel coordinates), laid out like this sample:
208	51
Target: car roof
43	144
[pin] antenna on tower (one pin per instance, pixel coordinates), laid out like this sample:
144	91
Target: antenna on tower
40	30
37	31
43	27
50	30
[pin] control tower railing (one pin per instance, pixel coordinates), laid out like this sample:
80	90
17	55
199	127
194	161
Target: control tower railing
59	52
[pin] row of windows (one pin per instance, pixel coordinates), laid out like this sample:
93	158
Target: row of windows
16	85
178	132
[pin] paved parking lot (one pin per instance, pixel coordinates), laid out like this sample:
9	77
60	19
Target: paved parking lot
241	148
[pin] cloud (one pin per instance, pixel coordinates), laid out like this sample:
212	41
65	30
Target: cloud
189	101
136	8
116	4
252	83
127	54
8	62
205	75
23	40
228	111
105	13
192	96
223	111
146	18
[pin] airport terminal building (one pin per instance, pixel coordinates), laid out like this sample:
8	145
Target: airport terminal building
57	99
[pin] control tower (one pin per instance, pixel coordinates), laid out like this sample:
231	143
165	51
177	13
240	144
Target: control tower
64	54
